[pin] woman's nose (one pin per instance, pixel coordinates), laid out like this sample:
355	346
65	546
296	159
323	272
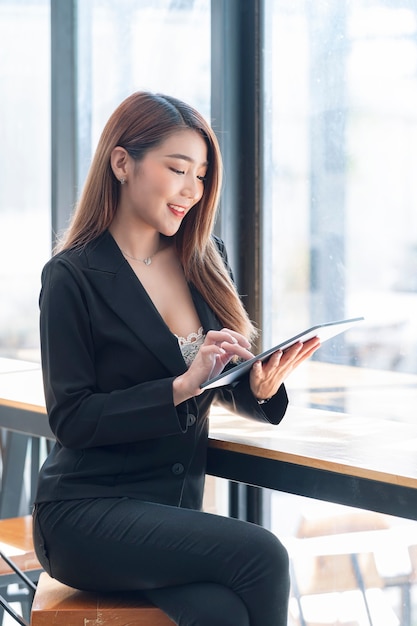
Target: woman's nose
192	188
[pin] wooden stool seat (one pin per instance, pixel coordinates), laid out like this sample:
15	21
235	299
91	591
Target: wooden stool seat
56	604
16	542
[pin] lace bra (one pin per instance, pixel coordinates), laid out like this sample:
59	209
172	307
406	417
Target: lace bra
190	345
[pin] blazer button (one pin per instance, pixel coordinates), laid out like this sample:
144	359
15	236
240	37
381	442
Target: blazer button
177	469
191	419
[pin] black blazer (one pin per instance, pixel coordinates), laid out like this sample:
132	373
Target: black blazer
108	362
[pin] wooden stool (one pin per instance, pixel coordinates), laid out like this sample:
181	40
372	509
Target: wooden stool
56	604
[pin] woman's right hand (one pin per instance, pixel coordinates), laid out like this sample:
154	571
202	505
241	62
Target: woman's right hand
219	347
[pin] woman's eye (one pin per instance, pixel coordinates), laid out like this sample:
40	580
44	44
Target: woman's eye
182	173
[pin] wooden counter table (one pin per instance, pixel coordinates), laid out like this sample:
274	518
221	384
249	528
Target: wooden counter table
349	436
356	461
363	460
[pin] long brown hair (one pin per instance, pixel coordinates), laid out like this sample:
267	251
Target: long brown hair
140	123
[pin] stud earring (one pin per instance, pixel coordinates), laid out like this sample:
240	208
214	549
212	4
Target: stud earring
122	181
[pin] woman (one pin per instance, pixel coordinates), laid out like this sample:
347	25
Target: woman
138	310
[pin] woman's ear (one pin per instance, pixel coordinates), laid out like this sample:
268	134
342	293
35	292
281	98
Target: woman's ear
119	162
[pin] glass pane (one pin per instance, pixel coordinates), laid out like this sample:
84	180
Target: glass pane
160	46
341	84
25	154
340	236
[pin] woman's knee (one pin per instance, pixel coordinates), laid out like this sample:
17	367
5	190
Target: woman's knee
268	551
201	604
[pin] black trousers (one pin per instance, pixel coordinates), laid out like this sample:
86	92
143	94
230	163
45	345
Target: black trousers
201	569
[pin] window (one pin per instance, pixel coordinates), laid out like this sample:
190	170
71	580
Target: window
340	240
120	47
341	83
25	156
160	46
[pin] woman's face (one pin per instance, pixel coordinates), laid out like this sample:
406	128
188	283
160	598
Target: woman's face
164	186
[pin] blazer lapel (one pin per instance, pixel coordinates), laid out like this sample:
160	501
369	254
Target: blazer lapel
113	278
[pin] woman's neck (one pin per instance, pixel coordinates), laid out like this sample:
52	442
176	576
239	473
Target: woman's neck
136	243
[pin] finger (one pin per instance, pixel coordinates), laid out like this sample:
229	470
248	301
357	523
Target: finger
210	351
234	349
241	339
308	348
293	350
257	370
311	345
273	362
232	342
276	357
300	351
226	334
305	355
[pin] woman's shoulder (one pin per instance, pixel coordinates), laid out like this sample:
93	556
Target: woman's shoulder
61	269
99	254
67	262
65	258
76	256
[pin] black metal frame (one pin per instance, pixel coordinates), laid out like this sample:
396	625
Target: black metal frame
27	597
237	78
237	116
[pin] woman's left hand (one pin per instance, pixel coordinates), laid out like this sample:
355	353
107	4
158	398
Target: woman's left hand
267	377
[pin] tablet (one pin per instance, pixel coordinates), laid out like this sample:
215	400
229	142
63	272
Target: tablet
323	331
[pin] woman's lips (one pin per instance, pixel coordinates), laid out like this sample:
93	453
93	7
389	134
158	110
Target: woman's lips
179	211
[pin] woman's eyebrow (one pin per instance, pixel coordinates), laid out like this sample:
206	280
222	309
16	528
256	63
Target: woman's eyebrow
185	157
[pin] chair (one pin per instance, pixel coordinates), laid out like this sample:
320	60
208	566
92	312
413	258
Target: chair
335	578
18	564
